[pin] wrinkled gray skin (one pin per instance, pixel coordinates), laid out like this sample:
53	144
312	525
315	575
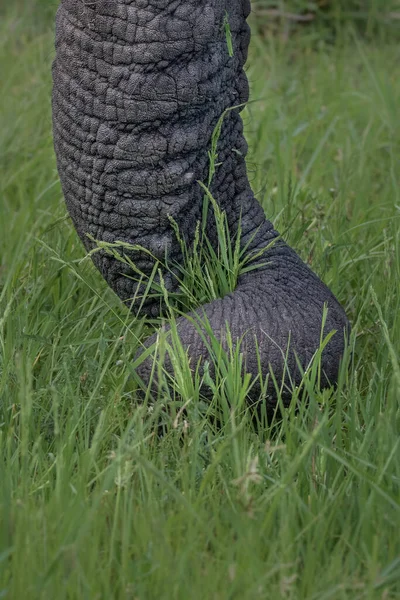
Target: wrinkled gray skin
139	86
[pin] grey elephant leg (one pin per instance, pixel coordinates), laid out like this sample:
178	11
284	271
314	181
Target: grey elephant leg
139	86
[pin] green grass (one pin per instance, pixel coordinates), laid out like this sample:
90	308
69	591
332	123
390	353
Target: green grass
327	18
93	503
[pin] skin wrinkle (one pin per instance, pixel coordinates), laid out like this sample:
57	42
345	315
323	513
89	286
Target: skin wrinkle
197	25
139	87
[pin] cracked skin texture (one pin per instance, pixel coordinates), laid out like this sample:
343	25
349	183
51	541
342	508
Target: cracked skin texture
139	86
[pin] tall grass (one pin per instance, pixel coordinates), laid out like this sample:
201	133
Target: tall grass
93	502
327	20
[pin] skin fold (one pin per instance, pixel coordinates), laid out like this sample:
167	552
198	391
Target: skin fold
139	86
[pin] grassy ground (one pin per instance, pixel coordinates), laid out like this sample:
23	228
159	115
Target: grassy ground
92	503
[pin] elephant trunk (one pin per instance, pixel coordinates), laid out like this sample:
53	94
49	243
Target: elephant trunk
139	88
